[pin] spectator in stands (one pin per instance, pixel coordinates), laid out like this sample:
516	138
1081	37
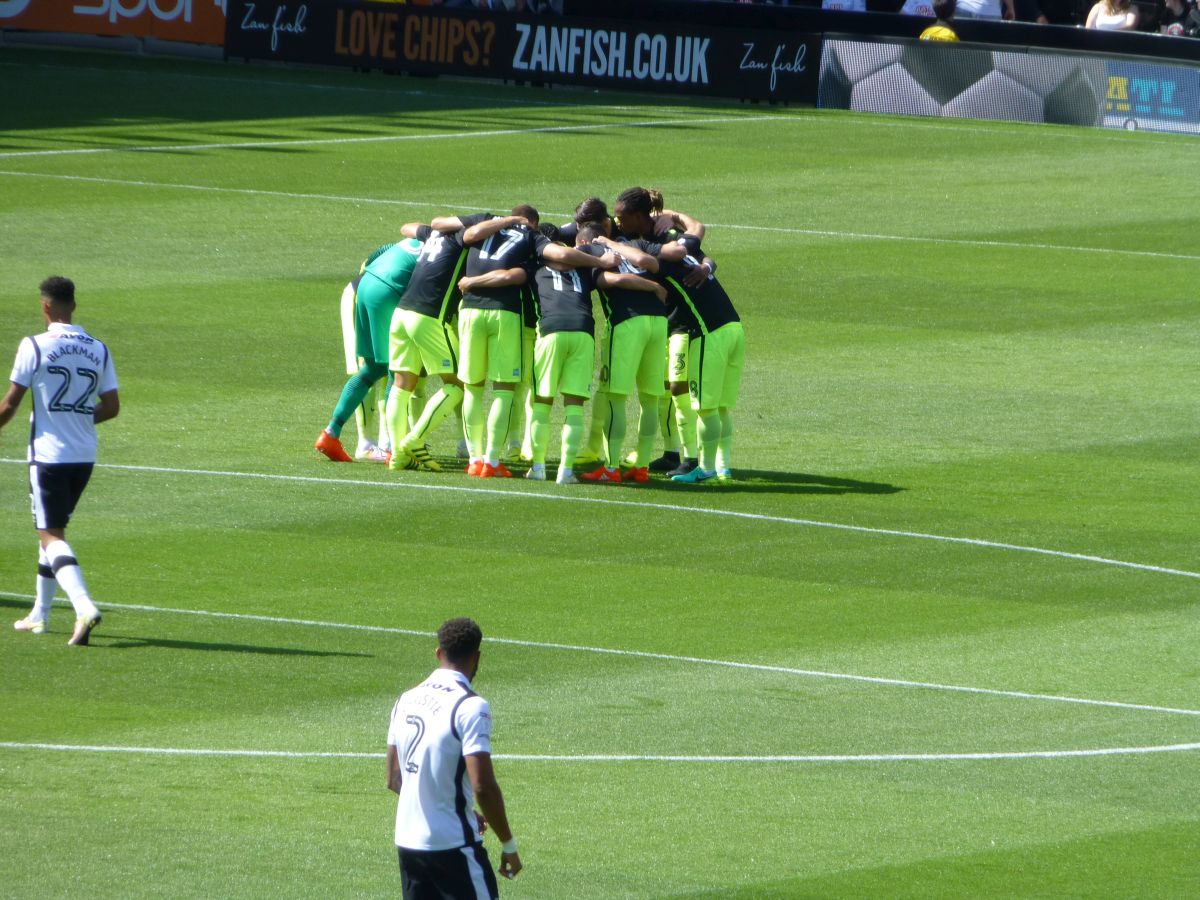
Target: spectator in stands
941	30
1172	14
1191	25
922	8
1112	15
1046	12
985	9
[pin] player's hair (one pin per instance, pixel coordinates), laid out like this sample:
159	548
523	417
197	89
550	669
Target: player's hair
656	200
552	233
460	638
58	290
589	231
593	209
636	200
945	9
528	212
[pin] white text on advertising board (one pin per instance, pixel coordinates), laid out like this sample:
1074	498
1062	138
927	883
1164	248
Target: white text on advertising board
602	53
115	9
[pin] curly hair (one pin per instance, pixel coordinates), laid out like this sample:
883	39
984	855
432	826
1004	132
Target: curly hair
459	639
637	200
58	289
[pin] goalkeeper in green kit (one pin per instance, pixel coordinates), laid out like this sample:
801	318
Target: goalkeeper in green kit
384	279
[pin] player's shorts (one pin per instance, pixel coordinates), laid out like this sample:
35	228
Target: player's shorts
491	345
529	341
677	357
421	342
634	353
465	874
55	489
562	364
715	367
374	303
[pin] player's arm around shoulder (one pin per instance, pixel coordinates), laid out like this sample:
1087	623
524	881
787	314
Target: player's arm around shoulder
481	231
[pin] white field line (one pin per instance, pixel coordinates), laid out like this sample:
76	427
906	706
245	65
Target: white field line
660	657
664	507
390	138
809	232
621	757
501	99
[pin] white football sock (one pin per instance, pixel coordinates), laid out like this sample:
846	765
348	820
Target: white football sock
68	574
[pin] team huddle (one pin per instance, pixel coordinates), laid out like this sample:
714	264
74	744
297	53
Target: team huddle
508	300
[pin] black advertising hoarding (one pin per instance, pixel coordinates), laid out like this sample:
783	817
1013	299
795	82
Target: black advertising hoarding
737	63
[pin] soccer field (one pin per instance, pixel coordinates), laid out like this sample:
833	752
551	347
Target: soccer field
938	639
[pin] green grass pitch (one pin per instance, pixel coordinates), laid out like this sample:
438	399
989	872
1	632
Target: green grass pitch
956	330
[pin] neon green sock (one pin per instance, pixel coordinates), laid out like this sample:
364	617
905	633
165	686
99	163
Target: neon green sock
648	422
685	420
517	421
497	424
474	419
527	437
396	412
572	435
666	423
436	411
725	445
539	432
614	435
600	413
710	435
416	406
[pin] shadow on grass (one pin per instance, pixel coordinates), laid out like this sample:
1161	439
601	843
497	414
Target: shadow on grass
131	642
746	481
104	639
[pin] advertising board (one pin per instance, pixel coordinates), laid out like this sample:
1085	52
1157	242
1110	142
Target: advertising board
190	21
759	65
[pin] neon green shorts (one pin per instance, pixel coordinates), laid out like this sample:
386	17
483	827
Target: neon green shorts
562	364
677	357
420	341
635	354
374	303
715	367
491	345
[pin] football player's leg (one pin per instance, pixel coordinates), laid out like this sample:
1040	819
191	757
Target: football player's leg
356	389
540	430
651	375
472	372
725	444
437	410
543	379
667	426
474	421
497	421
685	421
397	406
572	435
734	338
39	617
